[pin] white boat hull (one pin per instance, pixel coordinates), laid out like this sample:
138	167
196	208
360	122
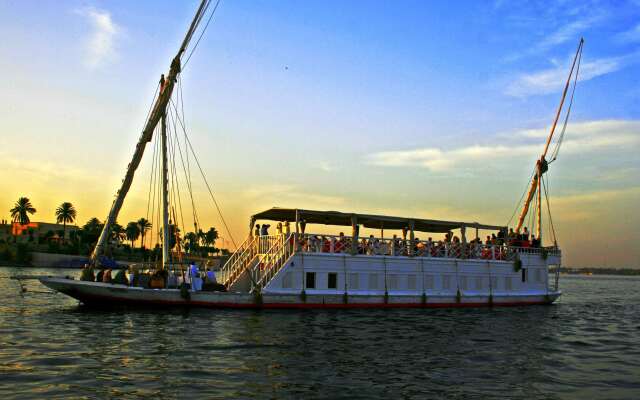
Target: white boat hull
105	295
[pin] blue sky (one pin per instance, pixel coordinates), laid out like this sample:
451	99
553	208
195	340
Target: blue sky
433	109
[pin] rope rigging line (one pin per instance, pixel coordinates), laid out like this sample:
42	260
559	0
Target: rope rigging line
556	150
546	196
153	101
177	180
203	31
187	174
177	143
154	179
215	202
151	176
515	210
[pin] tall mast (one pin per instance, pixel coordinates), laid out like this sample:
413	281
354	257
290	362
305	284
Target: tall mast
158	111
166	244
541	163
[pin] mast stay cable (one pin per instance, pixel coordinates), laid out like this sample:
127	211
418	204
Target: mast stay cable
556	150
204	178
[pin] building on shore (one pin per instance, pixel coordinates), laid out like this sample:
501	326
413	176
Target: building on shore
33	231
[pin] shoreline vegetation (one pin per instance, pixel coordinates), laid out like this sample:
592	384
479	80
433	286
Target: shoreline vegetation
20	237
600	271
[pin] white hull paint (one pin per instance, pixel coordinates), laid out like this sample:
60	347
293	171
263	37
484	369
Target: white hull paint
104	295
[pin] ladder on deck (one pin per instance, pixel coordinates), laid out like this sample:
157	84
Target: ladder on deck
242	259
272	261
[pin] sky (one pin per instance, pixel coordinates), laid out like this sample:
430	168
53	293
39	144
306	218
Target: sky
408	108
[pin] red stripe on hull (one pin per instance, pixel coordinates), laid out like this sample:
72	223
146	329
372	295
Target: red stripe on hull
105	301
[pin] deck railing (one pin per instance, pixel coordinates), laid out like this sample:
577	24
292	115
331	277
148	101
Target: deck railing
264	256
419	248
240	260
271	261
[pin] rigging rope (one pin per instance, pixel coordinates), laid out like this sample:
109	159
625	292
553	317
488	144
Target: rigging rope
201	33
546	196
187	179
215	202
515	210
556	150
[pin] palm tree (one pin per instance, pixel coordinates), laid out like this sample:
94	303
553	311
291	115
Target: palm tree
65	213
132	231
20	212
91	230
144	226
200	236
118	233
191	242
211	236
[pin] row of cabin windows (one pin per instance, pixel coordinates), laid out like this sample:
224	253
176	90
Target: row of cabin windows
376	281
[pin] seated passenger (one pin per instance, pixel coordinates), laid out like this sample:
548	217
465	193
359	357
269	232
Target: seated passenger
501	237
106	277
99	275
376	247
326	245
362	249
121	277
488	241
87	274
340	245
172	281
370	247
534	241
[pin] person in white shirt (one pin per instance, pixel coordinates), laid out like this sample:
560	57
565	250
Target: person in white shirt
196	281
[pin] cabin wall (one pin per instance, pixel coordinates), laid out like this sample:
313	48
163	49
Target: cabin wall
376	275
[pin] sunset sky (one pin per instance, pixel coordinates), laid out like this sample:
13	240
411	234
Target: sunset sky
408	108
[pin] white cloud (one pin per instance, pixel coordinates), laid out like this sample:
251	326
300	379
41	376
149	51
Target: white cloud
552	80
630	36
100	43
580	138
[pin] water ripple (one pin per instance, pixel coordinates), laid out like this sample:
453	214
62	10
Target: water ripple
586	346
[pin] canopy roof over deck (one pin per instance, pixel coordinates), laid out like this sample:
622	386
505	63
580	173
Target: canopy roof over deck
366	220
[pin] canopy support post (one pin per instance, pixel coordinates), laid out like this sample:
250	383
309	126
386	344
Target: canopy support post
411	238
354	234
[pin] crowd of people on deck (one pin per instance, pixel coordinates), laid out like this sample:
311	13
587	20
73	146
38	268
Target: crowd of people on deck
192	278
496	246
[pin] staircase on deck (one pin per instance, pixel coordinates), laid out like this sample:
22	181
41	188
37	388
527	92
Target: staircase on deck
256	262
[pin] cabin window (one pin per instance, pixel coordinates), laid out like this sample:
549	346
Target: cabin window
392	281
463	283
287	281
332	280
446	282
524	274
494	282
507	283
311	280
373	281
354	281
428	281
478	283
411	282
539	275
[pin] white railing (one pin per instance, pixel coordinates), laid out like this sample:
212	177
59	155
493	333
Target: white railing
271	261
239	261
419	248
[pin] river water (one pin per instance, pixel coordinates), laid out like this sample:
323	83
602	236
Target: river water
586	346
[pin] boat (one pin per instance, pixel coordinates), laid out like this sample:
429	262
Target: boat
300	268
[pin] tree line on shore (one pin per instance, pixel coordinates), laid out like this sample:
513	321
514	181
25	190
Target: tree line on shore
83	239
